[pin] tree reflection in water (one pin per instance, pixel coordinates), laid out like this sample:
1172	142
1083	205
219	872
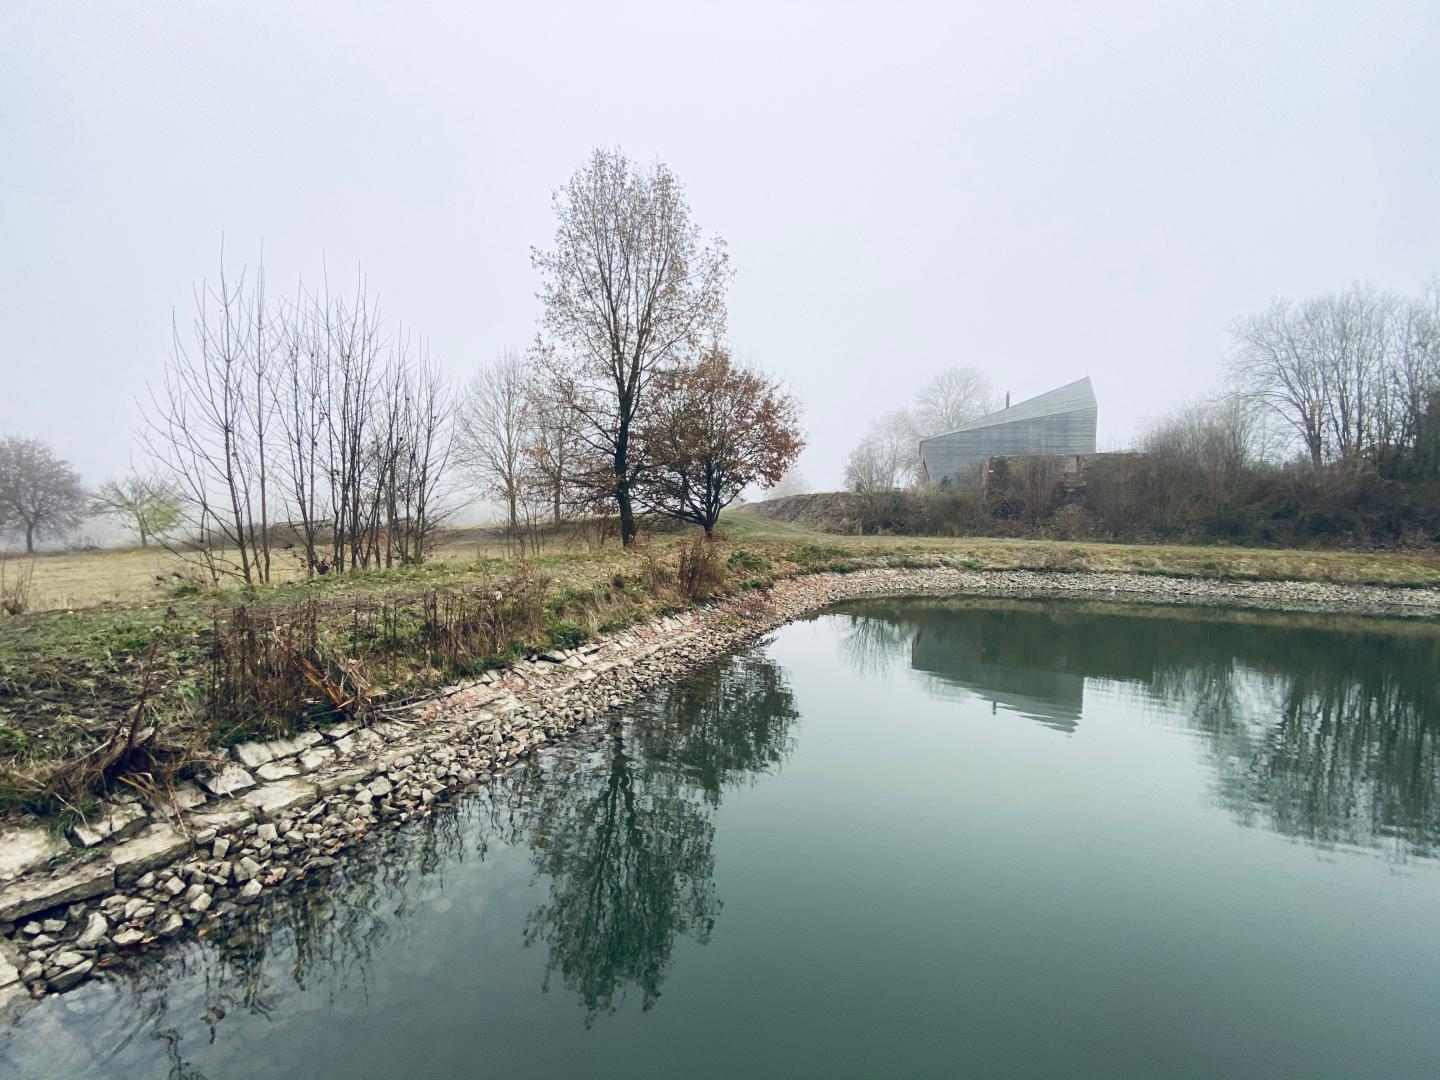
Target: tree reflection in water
625	836
619	827
1321	728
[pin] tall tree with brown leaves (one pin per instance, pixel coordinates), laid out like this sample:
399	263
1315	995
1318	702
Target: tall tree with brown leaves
713	429
629	290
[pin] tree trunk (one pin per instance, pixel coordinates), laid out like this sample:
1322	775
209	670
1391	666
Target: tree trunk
627	515
29	538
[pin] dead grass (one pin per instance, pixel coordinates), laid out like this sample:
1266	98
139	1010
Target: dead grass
111	635
1180	560
144	577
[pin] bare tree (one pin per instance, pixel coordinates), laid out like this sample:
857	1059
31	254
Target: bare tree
149	507
1339	369
871	471
1274	367
950	398
310	412
206	425
714	429
628	290
554	445
420	406
40	495
889	455
792	482
492	426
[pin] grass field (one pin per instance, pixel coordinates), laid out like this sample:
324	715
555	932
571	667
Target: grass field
139	577
132	637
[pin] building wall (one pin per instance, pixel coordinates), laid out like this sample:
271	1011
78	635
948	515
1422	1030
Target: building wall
959	455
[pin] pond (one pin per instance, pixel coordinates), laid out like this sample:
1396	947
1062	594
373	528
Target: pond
904	838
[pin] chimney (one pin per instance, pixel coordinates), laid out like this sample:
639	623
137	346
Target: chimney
1007	399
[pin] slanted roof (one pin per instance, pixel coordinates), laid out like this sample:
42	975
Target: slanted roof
1068	398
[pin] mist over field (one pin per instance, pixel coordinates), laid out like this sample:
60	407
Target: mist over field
1043	192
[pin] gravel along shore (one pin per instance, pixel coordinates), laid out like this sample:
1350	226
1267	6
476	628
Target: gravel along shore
138	875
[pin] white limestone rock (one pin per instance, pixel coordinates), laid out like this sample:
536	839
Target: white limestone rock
159	845
277	770
37	894
231	780
96	927
252	754
114	821
271	800
310	760
23	849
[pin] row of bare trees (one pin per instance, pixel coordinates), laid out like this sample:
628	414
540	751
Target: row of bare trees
310	426
304	425
888	457
705	430
1354	376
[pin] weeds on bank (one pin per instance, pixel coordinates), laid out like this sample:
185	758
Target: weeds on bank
16	586
232	665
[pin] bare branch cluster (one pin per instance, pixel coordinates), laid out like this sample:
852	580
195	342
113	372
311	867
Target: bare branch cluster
1354	376
889	455
305	427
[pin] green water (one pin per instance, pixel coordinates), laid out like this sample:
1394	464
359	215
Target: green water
903	839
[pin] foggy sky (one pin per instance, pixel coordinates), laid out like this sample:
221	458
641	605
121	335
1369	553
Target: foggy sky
1047	192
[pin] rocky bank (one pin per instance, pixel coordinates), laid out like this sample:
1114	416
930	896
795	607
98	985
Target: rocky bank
270	814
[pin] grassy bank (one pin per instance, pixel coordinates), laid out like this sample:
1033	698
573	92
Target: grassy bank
142	670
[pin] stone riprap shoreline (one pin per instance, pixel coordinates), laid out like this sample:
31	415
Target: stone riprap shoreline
270	814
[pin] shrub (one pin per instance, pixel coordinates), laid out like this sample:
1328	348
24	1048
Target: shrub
743	560
1071	522
659	578
700	573
567	635
15	587
817	553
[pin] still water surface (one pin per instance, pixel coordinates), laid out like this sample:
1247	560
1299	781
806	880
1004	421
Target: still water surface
905	838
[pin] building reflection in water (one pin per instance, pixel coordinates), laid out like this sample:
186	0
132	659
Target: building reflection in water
1321	728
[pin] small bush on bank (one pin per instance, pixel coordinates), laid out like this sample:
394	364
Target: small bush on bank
743	560
701	573
817	553
567	635
16	586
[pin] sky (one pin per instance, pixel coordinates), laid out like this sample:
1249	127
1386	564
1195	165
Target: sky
1043	190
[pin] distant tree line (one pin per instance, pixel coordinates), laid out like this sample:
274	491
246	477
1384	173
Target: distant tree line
313	426
888	457
1327	431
